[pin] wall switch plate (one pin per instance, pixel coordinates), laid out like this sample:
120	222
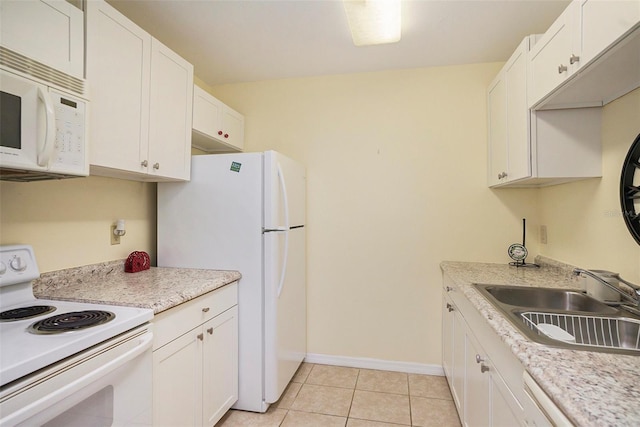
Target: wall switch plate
543	234
115	240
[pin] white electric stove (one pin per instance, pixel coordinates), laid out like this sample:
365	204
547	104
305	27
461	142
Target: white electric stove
41	339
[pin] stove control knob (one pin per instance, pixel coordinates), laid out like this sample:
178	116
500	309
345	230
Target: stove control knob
17	264
3	268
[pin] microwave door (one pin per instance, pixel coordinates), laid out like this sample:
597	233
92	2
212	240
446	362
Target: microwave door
28	124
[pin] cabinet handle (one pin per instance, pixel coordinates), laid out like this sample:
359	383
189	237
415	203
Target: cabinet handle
156	166
449	307
205	310
562	68
573	59
220	132
200	337
479	359
210	331
484	368
144	164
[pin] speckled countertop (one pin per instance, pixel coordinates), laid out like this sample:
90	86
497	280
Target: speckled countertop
158	288
591	388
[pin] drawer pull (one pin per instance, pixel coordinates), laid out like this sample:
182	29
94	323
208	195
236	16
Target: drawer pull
449	307
210	331
200	337
484	368
562	68
205	310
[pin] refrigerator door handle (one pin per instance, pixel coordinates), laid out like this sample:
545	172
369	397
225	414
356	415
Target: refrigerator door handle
285	200
284	263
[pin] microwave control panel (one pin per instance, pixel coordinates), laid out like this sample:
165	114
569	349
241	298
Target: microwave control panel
69	152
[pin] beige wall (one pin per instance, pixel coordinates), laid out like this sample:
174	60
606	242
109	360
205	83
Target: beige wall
68	221
396	183
583	219
396	165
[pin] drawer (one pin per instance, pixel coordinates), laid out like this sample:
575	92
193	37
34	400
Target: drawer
172	323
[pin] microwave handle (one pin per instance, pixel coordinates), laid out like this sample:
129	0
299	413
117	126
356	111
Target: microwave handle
45	148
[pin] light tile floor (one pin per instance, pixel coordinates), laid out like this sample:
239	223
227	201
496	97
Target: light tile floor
322	395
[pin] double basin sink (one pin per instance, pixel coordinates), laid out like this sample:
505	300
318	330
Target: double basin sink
566	318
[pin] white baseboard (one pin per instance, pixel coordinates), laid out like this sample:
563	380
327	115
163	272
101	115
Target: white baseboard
366	363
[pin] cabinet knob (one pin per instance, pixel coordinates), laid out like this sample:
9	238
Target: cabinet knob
200	337
226	135
144	163
205	310
210	331
479	359
562	68
448	288
449	307
156	166
220	132
484	368
573	59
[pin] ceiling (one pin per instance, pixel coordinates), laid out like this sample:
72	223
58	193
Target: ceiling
231	41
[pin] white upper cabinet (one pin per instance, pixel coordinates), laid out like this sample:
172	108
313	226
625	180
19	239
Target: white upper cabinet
535	148
553	58
509	137
588	57
603	22
216	127
48	31
141	95
170	116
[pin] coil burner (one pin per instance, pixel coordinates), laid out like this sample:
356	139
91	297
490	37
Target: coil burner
73	321
22	313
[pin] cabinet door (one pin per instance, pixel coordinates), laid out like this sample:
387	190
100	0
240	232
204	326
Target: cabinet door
49	31
497	108
517	114
477	386
170	117
458	370
220	365
447	337
118	68
603	22
207	113
177	381
550	56
505	409
233	124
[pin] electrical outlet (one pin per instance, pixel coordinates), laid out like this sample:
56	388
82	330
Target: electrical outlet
543	234
115	240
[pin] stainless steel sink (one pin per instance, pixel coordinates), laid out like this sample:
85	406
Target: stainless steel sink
545	298
566	318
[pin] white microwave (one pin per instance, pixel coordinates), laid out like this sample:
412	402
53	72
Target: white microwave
43	130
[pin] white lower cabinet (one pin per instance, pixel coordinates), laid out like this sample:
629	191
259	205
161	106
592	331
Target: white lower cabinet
195	360
485	378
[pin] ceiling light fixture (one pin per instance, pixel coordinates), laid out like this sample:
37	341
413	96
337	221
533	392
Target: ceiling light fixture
373	21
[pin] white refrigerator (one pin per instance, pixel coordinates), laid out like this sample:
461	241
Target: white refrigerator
246	212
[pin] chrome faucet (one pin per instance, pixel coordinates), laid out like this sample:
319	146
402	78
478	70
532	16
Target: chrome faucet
635	288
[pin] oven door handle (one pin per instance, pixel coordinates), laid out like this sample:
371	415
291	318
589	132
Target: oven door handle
51	399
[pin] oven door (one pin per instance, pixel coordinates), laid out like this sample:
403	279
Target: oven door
107	385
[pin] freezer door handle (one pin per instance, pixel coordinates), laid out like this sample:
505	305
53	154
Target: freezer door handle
267	230
285	199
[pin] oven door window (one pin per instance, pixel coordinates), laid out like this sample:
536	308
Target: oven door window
10	120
